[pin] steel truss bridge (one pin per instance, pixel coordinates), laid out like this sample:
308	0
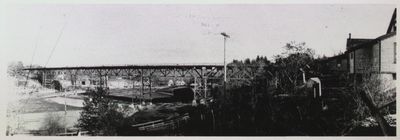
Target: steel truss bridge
203	75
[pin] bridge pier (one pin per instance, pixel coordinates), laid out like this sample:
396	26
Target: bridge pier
205	88
149	88
47	77
44	78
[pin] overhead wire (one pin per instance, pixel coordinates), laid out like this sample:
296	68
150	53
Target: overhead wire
33	54
26	101
36	45
56	44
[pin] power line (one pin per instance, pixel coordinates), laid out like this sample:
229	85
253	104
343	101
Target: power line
54	47
36	45
33	55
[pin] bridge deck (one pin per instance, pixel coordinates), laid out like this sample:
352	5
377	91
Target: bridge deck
217	66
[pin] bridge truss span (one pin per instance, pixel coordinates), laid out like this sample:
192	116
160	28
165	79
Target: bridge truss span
203	76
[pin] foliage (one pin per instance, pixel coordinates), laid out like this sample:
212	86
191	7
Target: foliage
100	115
275	101
15	69
52	124
290	64
253	107
244	108
375	87
257	68
248	106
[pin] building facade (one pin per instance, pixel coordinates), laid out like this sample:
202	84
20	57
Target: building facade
369	57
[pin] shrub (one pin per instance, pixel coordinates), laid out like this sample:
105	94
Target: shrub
100	115
52	124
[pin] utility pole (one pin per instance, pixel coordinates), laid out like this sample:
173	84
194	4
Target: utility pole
65	112
225	70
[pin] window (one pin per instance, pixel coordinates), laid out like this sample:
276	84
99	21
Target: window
394	52
394	76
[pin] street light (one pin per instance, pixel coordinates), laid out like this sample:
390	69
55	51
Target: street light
225	37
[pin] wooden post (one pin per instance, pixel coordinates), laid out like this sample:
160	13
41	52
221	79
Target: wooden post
304	75
375	113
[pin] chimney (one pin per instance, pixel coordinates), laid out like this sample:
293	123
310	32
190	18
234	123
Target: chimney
348	43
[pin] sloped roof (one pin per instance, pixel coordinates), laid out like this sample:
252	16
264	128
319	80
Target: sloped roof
369	43
392	24
339	56
352	42
360	43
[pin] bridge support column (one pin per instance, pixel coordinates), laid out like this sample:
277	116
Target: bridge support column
47	79
205	88
195	88
133	86
150	88
141	84
44	78
106	80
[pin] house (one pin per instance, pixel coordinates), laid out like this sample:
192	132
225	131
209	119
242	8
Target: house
372	57
375	56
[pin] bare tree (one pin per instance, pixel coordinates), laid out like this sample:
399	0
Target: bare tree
15	69
374	96
290	63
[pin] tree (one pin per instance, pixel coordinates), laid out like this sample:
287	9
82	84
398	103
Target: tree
373	96
249	108
375	86
244	109
100	115
290	64
15	69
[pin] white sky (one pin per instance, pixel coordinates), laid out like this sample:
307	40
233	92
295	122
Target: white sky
179	33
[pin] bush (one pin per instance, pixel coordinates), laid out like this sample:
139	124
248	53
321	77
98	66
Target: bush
100	115
53	125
